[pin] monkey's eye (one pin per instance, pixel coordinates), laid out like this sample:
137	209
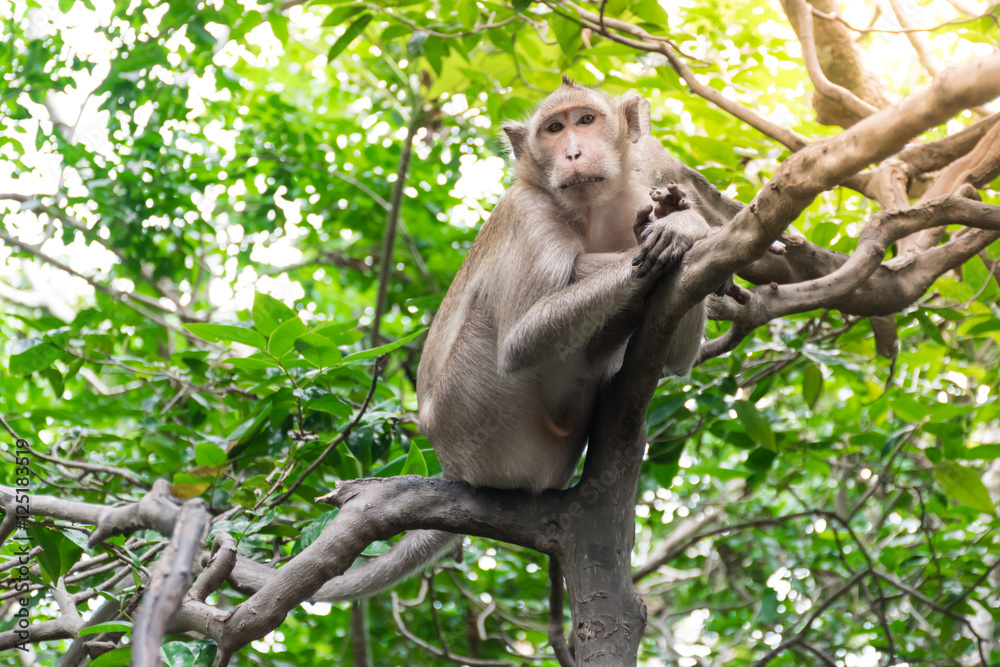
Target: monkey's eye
554	127
587	119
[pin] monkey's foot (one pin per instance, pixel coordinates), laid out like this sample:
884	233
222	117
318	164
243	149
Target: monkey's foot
668	200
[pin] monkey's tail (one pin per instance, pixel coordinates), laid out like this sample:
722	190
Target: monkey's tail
413	552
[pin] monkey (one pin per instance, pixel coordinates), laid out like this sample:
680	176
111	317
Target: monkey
541	310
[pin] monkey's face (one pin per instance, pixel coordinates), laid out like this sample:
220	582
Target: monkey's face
576	145
581	148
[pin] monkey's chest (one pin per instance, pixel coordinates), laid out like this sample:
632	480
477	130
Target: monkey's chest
606	240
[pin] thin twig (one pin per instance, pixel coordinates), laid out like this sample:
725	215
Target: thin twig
376	370
387	266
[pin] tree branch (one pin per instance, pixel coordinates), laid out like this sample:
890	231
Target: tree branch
387	266
853	288
820	166
374	509
646	42
169	583
800	15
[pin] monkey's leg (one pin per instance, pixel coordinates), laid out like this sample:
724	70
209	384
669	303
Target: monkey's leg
685	344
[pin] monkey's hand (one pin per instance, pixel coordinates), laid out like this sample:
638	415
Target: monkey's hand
642	219
662	247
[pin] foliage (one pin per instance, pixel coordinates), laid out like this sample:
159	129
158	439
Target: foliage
220	198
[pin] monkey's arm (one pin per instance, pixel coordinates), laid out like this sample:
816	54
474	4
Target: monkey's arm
589	263
572	316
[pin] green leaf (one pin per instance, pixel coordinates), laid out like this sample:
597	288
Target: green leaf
468	12
279	26
283	338
724	474
318	350
342	333
376	351
758	428
908	409
48	558
342	13
651	12
315	528
983	452
567	32
954	290
111	626
768	608
988	326
760	459
964	485
120	657
415	463
209	454
812	385
268	313
248	427
349	36
35	358
824	233
331	404
228	333
253	363
55	379
189	653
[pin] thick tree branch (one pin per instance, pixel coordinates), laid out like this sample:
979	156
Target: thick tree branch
168	584
218	566
884	293
374	509
800	15
977	168
154	510
64	627
807	173
934	155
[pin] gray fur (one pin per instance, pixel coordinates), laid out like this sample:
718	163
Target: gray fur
415	550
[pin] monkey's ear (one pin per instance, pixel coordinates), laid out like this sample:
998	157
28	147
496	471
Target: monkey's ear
631	106
517	135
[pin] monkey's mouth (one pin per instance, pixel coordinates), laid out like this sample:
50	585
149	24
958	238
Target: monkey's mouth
579	180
